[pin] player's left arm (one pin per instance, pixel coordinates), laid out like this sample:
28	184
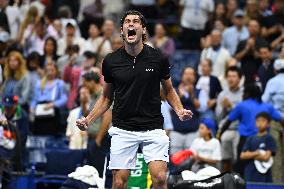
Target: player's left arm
174	100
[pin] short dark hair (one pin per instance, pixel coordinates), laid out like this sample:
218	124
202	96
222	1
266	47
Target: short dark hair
92	76
251	90
90	54
134	12
141	17
33	57
263	115
233	69
264	45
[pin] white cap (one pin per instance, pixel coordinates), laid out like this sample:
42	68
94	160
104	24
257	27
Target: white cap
279	64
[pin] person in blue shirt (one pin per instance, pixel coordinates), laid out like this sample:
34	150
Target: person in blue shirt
245	112
50	93
258	150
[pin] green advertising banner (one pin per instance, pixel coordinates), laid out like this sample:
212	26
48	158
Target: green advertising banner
140	177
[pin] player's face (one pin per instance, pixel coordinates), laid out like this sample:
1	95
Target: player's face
132	29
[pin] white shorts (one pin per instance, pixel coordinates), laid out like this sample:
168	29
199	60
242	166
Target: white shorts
124	146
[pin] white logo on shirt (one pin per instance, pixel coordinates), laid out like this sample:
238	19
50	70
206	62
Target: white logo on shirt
262	145
149	69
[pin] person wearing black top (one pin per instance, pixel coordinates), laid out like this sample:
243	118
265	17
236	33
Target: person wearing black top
133	75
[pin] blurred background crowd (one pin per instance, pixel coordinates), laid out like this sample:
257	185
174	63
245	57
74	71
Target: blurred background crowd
224	54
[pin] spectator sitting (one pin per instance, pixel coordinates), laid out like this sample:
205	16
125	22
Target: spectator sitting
263	8
35	41
77	138
161	41
108	30
73	72
70	39
272	26
252	10
116	42
206	149
231	7
95	40
35	72
16	78
50	51
14	137
218	21
186	131
209	87
230	63
194	16
236	33
247	54
216	53
49	93
71	52
258	150
28	24
10	17
98	142
265	70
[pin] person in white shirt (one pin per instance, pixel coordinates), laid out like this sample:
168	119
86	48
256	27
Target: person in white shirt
206	149
217	54
78	139
95	41
70	39
12	14
194	15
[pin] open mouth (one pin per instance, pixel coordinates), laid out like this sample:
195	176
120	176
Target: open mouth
131	34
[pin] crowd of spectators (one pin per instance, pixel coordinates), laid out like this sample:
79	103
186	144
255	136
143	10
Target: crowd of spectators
50	71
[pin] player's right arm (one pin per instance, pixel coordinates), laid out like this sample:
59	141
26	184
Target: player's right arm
101	106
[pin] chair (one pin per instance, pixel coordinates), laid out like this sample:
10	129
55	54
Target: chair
60	162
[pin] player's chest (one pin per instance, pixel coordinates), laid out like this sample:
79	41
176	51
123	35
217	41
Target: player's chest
136	69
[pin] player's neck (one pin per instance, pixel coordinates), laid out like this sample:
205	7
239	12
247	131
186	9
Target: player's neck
134	50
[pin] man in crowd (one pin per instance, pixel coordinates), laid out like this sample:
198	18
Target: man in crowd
226	101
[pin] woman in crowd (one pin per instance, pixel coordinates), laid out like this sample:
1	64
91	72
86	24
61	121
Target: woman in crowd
16	80
49	96
50	50
163	42
28	24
